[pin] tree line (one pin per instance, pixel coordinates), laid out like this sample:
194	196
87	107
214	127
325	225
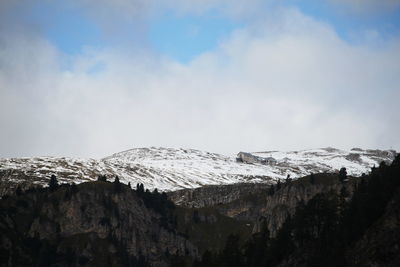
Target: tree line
321	231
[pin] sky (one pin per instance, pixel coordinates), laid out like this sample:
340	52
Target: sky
88	78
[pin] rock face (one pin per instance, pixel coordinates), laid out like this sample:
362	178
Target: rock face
257	202
283	202
89	221
214	195
252	159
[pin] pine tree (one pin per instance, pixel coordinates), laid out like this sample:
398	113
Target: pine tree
102	178
53	183
117	185
342	175
288	179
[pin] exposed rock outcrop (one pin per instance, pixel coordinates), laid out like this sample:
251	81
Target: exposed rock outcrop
249	202
253	159
98	218
213	195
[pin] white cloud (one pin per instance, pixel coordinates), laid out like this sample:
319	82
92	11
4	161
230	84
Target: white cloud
287	83
369	5
134	8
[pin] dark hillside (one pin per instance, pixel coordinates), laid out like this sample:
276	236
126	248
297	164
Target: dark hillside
106	224
330	229
95	224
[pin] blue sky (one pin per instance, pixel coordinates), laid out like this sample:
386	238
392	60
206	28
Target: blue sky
350	25
183	36
67	27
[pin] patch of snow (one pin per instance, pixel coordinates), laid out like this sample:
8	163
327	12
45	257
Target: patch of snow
170	169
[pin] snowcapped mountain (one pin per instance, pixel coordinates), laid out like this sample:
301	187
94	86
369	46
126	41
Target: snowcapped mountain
170	169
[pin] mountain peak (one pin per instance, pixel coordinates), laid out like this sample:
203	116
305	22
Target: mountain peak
176	168
160	153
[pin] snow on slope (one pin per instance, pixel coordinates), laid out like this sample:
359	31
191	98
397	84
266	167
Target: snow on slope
356	161
170	169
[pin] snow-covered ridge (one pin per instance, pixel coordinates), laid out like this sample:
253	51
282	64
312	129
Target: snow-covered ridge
171	169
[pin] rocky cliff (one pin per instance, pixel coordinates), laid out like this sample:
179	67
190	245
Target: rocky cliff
260	203
98	224
351	222
214	195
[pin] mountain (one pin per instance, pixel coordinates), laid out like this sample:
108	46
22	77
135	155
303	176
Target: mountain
90	224
263	204
332	222
104	223
352	222
169	169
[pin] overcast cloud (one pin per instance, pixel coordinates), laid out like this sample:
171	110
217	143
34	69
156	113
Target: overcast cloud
286	81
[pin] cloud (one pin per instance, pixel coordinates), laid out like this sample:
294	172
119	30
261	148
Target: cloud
288	82
368	6
135	8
